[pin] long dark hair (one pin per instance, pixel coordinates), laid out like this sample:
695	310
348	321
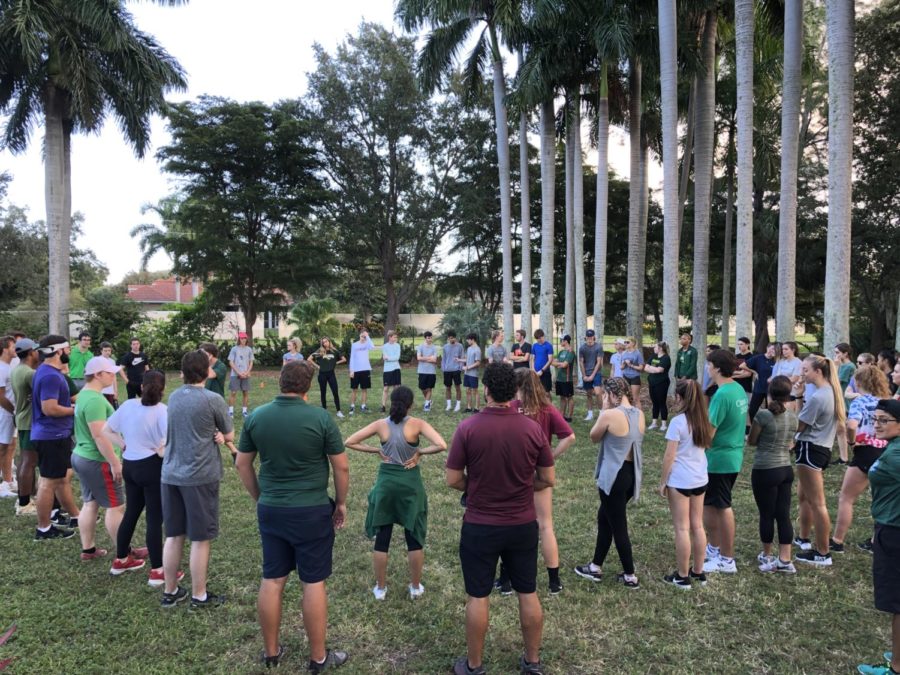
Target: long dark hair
401	402
780	393
153	387
693	406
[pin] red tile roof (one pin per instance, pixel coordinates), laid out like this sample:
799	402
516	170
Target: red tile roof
162	291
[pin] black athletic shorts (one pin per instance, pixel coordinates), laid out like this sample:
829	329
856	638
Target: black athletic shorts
718	490
864	457
812	456
391	378
427	381
547	381
634	380
470	382
886	568
296	537
361	380
565	389
54	457
480	546
453	377
693	492
191	510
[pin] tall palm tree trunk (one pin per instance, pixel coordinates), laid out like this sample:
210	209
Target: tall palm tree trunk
548	211
785	309
703	160
840	30
578	219
726	271
57	194
634	284
600	217
743	306
688	153
897	327
525	215
570	228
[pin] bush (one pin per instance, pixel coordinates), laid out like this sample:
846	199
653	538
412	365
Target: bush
313	320
468	318
31	322
111	317
407	351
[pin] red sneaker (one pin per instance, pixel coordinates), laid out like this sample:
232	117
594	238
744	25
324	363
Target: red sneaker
157	578
122	565
98	553
140	552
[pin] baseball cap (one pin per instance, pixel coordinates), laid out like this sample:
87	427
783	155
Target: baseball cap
242	334
620	341
891	406
25	345
100	364
590	333
567	338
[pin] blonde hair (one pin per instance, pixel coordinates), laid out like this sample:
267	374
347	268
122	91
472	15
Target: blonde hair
534	396
297	342
872	380
829	371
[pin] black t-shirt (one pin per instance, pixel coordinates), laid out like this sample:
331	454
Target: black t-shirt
745	382
523	350
135	365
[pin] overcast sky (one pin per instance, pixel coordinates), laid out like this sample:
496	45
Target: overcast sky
244	51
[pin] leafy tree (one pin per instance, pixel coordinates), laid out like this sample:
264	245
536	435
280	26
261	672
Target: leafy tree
143	277
191	324
111	316
468	318
313	319
242	220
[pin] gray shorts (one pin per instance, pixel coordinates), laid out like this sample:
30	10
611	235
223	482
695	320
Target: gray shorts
191	510
97	482
238	384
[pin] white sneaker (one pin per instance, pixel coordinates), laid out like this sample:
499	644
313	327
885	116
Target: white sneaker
589	416
14	486
711	565
415	591
426	407
456	409
244	412
652	426
720	565
449	405
6	492
765	559
340	414
230	411
28	510
662	427
379	593
775	565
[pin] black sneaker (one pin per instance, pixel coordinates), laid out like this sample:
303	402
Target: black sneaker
468	410
333	659
835	547
700	578
526	668
382	409
461	667
53	533
272	661
684	583
169	600
586	572
504	586
803	544
813	557
212	600
866	546
556	587
60	518
632	584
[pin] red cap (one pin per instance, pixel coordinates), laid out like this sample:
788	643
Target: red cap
242	334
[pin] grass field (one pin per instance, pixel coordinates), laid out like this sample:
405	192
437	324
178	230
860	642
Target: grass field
73	617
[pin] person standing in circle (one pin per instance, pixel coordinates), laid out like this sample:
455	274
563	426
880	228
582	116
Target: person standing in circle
658	382
218	371
293	352
240	358
565	378
427	356
590	361
360	371
541	358
760	367
686	359
843	359
471	365
390	355
496	351
632	365
326	358
451	365
521	351
135	363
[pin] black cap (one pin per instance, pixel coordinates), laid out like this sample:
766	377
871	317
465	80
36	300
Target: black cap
567	338
590	333
891	406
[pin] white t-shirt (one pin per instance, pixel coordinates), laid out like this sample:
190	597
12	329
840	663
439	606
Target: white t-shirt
5	381
359	356
689	468
391	353
143	428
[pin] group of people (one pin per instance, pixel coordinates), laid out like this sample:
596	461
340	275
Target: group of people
164	461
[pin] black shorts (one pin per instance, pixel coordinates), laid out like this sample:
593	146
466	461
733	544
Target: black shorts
54	457
886	568
815	457
191	510
480	546
693	492
361	380
864	457
547	381
470	382
565	389
299	537
453	377
718	490
391	378
634	380
427	381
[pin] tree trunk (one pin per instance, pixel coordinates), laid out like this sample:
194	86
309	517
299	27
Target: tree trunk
578	219
392	317
569	317
688	153
703	161
634	285
250	315
642	223
548	211
897	327
761	316
840	29
57	191
744	24
726	271
525	305
600	219
786	299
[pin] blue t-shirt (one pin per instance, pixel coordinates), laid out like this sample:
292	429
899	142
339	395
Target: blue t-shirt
292	356
636	358
49	384
542	353
763	367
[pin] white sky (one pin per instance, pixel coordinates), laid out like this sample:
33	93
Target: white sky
244	51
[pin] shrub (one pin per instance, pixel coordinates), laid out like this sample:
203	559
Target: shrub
468	318
313	320
111	317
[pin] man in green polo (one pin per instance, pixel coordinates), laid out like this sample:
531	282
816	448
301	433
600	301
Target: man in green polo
686	359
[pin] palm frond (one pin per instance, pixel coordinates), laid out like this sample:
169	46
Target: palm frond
439	53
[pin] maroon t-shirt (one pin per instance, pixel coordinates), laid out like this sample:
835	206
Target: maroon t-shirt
550	420
499	449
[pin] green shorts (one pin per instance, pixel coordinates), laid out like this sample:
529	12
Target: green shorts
25	440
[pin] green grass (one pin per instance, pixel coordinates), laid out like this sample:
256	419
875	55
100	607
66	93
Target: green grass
74	618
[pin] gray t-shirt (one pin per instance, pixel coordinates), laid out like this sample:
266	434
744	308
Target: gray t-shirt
241	357
818	414
473	357
192	456
426	367
589	354
776	438
495	353
451	352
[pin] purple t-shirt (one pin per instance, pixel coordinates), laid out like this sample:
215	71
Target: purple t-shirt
499	450
49	384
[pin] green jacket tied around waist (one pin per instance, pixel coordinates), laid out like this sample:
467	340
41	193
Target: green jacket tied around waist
398	496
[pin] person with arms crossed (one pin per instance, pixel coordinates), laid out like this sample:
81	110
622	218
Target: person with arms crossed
743	376
565	378
590	361
135	364
326	358
427	357
521	351
390	355
658	383
616	358
296	444
496	352
218	371
360	371
541	359
760	368
240	358
110	393
452	368
21	381
632	365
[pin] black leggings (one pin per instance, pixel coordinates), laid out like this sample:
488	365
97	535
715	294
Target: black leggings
383	539
330	379
756	401
658	393
142	492
612	521
772	491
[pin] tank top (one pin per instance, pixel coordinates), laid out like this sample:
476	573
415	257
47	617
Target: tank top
614	449
396	448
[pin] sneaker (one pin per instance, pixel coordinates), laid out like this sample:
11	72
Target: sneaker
363	408
416	591
631	583
699	578
711	564
212	600
711	553
352	410
383	409
506	588
157	578
7	492
764	559
720	565
140	552
683	583
468	410
96	553
778	566
53	533
840	461
333	659
379	592
835	547
526	668
244	412
880	669
589	416
449	405
272	661
456	409
461	667
652	426
588	572
28	510
340	414
129	564
61	518
426	407
803	544
171	599
865	546
231	412
813	557
556	587
663	427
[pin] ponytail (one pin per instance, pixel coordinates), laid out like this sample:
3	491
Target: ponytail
779	393
829	372
618	387
153	387
401	402
693	405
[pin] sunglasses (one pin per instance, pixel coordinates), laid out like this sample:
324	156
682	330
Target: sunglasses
882	420
860	363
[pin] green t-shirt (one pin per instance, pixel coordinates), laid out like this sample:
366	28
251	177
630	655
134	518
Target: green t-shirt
884	478
217	384
728	414
686	363
77	362
20	381
293	440
566	374
326	361
845	374
91	406
660	362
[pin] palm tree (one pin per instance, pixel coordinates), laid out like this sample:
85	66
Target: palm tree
525	211
569	300
785	317
68	64
548	212
452	23
601	223
634	314
744	24
313	320
578	215
840	30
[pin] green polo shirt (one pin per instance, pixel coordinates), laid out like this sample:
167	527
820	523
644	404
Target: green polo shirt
884	478
77	362
91	406
293	440
686	363
217	384
728	414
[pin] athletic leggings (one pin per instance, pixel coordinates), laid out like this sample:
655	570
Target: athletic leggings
756	401
142	492
658	393
330	379
383	539
772	491
612	521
